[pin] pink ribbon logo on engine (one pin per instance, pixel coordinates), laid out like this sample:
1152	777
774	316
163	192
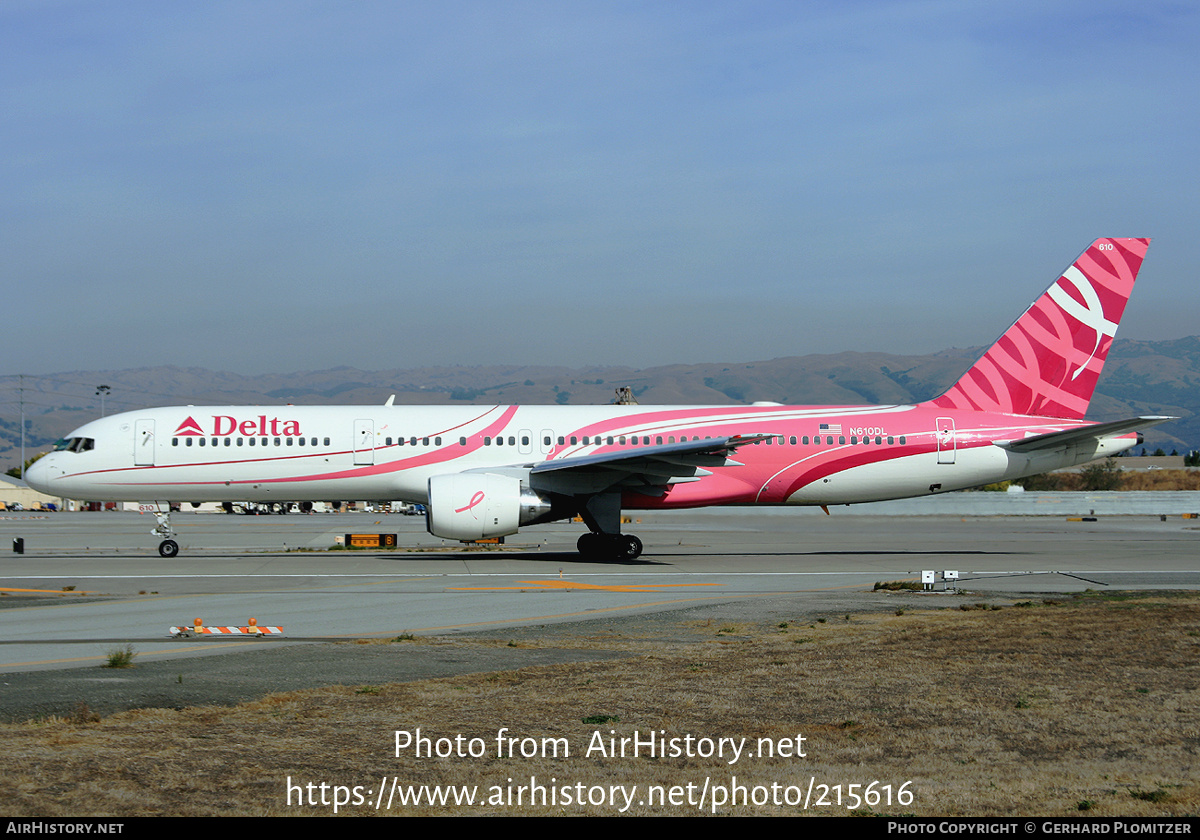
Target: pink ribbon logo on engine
476	499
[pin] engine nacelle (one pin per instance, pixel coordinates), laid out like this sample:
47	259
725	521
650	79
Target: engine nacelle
474	506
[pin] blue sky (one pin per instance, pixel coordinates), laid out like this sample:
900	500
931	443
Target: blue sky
279	186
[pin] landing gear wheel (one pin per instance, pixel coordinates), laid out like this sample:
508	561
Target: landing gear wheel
168	548
604	547
591	546
631	546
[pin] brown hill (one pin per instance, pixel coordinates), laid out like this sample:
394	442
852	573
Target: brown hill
1141	377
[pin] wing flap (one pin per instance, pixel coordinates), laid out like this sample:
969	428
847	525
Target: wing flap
711	452
645	467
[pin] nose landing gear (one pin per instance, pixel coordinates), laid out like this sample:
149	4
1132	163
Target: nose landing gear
162	512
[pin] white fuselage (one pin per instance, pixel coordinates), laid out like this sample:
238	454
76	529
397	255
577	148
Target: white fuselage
814	455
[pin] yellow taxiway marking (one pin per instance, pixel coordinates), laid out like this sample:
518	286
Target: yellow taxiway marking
46	591
566	584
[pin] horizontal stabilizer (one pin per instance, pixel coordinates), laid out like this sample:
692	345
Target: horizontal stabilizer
1053	440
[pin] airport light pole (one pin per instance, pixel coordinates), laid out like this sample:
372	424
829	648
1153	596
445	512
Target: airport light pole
21	392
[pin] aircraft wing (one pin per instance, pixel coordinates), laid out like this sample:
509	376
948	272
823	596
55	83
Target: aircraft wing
646	469
1053	440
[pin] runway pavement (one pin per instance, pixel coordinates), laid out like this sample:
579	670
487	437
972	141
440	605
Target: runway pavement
88	582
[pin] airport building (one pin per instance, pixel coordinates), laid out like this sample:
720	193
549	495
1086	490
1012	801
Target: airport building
17	495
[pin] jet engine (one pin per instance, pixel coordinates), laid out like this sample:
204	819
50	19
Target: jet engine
473	506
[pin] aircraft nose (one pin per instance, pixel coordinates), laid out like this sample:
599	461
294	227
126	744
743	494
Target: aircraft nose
39	473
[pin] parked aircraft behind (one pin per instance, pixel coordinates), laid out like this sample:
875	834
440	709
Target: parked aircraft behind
486	471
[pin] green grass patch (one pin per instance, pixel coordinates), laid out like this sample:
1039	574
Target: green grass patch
120	657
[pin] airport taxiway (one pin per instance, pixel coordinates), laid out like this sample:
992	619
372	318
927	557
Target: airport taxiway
90	581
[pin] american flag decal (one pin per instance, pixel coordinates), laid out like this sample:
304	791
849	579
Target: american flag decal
830	428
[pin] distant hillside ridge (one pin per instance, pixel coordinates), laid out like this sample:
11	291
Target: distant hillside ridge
1140	377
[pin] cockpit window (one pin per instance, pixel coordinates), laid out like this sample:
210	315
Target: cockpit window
75	444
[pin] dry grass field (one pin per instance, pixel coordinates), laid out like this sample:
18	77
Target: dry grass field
1096	476
1160	480
1078	706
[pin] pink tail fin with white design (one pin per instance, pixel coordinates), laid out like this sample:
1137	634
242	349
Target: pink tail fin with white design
1047	363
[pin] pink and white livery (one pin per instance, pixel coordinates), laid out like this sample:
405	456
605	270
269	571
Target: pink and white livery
485	471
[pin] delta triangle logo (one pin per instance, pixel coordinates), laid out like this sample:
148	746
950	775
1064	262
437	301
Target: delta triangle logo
189	427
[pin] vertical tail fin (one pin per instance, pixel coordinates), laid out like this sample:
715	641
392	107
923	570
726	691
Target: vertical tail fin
1047	363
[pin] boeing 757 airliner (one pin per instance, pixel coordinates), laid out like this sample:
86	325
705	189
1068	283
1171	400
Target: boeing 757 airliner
486	471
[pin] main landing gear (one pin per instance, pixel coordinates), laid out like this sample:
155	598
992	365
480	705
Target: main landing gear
602	514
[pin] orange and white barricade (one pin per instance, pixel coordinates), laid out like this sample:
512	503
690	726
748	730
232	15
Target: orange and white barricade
198	628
